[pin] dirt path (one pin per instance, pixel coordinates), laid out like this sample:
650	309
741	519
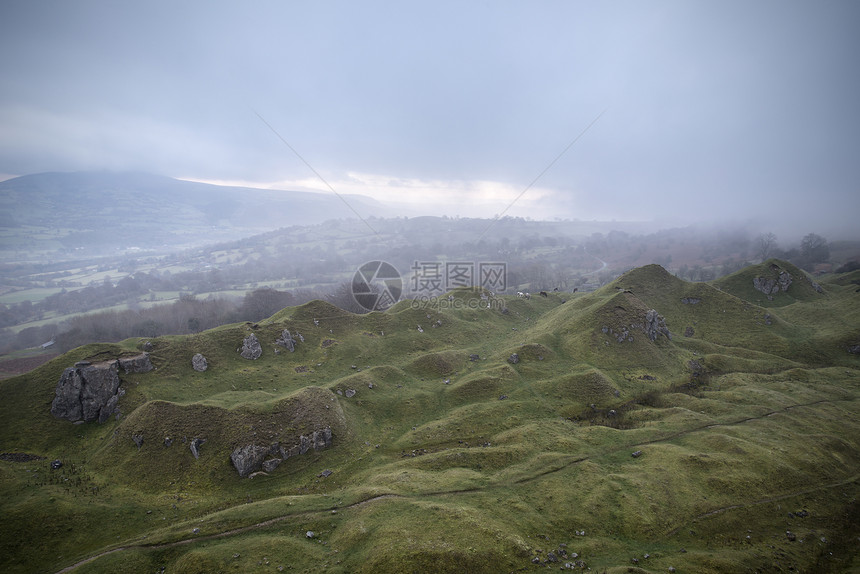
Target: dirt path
770	499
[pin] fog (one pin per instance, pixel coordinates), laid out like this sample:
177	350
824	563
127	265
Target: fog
720	111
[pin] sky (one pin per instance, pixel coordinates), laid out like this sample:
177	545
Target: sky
677	111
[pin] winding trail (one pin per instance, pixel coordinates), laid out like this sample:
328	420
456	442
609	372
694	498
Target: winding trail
603	264
500	484
716	511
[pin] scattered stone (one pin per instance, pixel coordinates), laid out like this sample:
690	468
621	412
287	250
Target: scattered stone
196	443
271	464
612	413
325	474
514	359
301	369
369	385
56	464
251	348
503	397
671	568
147	346
768	320
328	343
350	393
168	441
199	363
138	440
474	358
691	300
854	349
689	332
636	454
310	534
647	378
790	535
195	531
551	557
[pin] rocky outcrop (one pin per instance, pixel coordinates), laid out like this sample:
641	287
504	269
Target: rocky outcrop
655	325
87	392
199	363
770	285
247	459
286	340
137	364
250	458
251	348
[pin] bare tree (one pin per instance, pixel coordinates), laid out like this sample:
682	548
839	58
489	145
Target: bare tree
765	245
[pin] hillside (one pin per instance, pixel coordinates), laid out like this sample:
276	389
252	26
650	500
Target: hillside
653	425
84	214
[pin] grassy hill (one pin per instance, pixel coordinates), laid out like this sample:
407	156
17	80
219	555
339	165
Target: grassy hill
535	433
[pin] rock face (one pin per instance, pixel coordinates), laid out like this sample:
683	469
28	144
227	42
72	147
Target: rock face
286	340
771	286
87	392
246	459
251	348
251	457
138	364
655	325
199	363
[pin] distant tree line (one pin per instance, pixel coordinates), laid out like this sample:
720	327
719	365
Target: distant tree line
186	316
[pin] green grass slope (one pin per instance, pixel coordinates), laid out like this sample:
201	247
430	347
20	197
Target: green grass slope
475	434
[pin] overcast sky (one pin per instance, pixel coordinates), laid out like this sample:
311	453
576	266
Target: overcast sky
743	110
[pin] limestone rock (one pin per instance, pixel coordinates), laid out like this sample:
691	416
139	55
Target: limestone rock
691	300
136	364
138	440
655	325
271	464
87	392
251	348
770	285
321	439
286	340
196	443
514	359
199	363
246	459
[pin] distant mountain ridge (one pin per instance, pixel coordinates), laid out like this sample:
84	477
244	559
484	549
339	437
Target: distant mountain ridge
97	210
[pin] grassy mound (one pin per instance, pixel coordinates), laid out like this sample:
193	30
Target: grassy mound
449	454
